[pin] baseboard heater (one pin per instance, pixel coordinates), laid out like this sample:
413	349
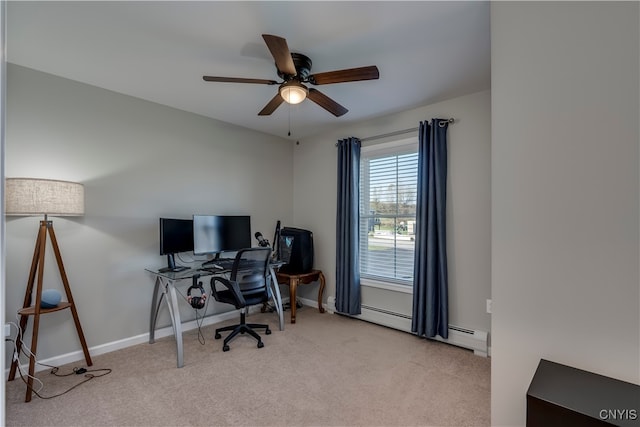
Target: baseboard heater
467	338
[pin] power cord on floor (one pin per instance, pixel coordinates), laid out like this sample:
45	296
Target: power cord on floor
89	373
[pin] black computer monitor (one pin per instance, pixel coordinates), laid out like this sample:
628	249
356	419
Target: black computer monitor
213	234
237	232
176	235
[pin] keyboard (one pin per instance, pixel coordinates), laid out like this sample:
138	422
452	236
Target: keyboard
218	264
226	264
175	269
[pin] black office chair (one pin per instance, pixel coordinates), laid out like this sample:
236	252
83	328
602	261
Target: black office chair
247	286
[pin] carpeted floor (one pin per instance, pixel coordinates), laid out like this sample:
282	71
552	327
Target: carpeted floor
326	370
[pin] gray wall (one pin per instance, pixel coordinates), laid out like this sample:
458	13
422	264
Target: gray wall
564	193
468	203
138	161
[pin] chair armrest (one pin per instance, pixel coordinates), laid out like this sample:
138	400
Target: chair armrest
231	286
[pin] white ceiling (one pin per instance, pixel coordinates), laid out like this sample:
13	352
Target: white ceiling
159	51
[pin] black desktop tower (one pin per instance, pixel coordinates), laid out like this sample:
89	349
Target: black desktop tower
296	249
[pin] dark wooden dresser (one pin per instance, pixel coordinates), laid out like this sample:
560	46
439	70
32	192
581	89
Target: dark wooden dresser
564	396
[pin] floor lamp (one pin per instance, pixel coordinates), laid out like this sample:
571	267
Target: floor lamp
27	196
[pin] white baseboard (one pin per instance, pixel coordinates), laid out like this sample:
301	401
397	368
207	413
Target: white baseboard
472	340
76	356
395	322
308	302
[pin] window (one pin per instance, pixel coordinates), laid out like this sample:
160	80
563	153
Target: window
388	189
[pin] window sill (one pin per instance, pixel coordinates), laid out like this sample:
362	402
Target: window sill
372	283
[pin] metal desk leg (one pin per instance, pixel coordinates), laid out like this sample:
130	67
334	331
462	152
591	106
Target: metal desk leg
174	312
155	307
277	299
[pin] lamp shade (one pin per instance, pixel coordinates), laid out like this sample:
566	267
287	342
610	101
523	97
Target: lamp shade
32	196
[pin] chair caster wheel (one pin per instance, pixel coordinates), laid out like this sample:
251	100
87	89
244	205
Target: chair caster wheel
217	336
225	348
260	344
268	332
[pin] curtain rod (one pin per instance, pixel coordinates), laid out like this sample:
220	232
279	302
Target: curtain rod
398	132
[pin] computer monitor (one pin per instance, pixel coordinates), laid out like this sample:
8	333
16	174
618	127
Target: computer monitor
207	234
237	232
176	235
213	234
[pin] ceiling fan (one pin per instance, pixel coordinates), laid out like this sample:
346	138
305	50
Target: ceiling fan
294	70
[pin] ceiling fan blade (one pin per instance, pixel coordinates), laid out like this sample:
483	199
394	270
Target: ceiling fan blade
327	103
280	52
272	105
348	75
238	80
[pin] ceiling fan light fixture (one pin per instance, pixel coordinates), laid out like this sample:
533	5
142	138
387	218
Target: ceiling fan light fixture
293	92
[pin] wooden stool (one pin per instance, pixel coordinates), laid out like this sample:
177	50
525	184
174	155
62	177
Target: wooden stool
294	279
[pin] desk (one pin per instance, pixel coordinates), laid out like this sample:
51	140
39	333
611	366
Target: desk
165	286
293	280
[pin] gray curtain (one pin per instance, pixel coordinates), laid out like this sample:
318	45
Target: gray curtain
348	216
430	283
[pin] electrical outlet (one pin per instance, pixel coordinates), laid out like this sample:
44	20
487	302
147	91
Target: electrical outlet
489	306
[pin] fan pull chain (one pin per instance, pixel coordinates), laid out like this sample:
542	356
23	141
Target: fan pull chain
289	133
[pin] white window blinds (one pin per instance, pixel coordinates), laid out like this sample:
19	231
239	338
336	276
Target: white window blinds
388	185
